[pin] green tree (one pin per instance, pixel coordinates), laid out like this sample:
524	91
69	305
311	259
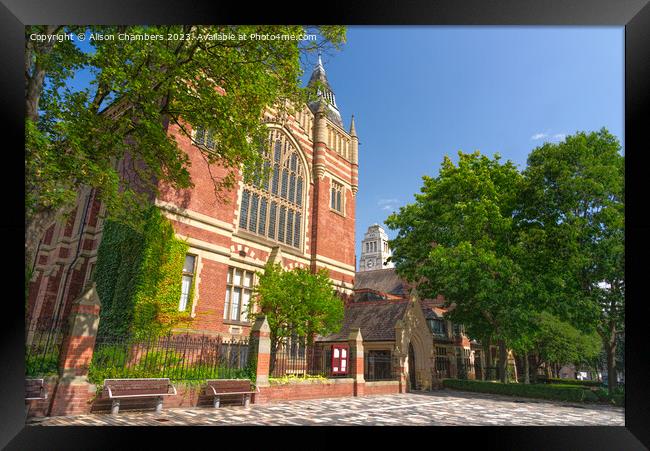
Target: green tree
575	203
112	135
297	303
558	343
459	239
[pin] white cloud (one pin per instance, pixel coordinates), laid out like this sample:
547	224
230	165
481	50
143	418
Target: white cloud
387	204
548	137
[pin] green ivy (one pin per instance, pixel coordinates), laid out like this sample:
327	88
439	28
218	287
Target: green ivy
138	276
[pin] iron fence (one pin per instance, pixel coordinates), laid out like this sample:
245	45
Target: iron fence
443	370
43	342
299	359
379	367
177	357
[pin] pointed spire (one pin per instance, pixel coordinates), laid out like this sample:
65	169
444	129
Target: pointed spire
325	93
353	130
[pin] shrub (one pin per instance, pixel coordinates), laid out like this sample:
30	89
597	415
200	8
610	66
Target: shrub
289	378
555	380
544	391
112	362
42	364
617	398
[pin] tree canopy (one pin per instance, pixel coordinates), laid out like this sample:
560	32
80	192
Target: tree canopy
87	136
297	303
458	239
519	253
575	204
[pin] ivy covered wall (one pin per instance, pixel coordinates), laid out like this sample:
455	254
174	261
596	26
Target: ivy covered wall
138	276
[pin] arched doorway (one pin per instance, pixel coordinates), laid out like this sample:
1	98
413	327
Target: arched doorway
412	379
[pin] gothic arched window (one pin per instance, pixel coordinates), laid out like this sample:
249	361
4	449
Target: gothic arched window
274	206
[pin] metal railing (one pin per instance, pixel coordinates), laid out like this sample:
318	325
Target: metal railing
379	367
42	348
302	360
177	357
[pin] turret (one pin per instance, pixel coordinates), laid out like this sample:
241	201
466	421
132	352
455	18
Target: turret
325	94
354	157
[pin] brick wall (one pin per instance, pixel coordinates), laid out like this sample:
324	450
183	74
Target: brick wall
72	399
332	388
381	388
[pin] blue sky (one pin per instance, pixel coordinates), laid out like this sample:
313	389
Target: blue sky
419	93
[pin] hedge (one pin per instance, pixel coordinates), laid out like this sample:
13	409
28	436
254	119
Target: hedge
543	391
555	380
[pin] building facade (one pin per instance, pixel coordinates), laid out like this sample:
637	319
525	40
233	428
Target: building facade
302	216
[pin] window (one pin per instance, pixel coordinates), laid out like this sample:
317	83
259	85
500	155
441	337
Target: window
204	137
188	280
336	196
274	209
437	326
458	330
239	285
378	366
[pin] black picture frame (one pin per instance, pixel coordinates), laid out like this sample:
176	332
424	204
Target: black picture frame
634	15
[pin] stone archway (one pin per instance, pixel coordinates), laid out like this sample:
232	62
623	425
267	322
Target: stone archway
413	384
413	334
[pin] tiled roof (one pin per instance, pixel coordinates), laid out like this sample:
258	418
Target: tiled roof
384	280
376	319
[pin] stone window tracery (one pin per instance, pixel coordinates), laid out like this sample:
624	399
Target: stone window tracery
273	206
336	196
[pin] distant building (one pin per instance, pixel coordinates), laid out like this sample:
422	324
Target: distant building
375	250
405	337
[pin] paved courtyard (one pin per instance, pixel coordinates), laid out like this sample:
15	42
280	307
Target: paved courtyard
440	408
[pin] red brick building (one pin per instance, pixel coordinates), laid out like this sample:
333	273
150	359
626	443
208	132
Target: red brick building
303	216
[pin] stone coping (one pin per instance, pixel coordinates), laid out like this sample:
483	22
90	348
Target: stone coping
332	381
379	383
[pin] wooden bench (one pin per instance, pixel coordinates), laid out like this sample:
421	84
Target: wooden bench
118	389
34	390
226	387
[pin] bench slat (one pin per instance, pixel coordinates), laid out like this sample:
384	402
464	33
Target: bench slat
35	389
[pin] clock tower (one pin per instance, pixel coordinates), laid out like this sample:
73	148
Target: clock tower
375	250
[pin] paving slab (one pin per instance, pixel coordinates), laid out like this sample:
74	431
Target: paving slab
444	407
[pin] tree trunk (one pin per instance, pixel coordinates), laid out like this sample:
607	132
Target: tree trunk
35	75
536	363
503	362
487	352
610	349
526	369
